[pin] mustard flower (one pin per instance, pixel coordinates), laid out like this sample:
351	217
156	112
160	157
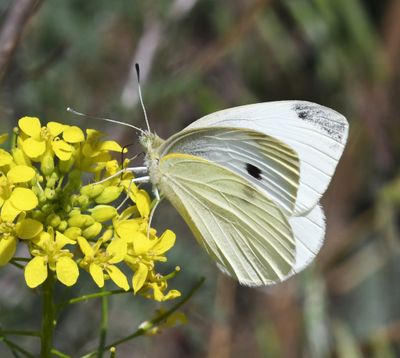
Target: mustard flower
49	253
100	227
100	263
15	199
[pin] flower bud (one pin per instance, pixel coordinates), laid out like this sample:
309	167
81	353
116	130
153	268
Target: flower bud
92	190
102	213
92	231
49	193
20	158
107	235
53	220
109	194
66	165
77	220
63	225
73	233
83	200
47	163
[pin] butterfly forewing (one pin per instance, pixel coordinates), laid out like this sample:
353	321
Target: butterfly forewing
317	134
241	228
261	159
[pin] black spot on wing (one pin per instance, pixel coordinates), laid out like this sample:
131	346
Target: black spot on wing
254	171
327	120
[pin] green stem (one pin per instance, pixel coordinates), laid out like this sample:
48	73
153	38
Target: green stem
89	297
107	293
103	326
48	316
153	322
57	353
19	333
23	259
13	346
16	264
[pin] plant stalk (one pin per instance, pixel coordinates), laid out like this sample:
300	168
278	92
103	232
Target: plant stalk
48	320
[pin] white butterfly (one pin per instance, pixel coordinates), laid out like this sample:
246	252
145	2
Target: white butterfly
247	181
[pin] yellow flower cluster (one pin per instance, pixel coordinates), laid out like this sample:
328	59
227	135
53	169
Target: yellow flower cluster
67	226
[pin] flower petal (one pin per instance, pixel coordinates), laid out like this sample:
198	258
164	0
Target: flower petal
62	240
30	126
73	134
5	158
33	148
36	271
158	295
23	199
67	271
85	247
62	149
7	249
9	212
55	128
118	277
20	174
97	274
117	249
142	200
171	295
139	278
141	243
28	229
126	228
110	145
164	243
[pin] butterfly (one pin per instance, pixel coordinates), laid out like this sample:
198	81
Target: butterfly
248	180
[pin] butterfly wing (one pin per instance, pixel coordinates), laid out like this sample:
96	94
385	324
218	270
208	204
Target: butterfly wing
309	234
244	231
316	133
261	159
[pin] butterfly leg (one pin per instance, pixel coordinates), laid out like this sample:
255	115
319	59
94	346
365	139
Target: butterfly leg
144	179
153	209
136	170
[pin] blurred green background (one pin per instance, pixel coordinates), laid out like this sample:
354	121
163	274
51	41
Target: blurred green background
196	57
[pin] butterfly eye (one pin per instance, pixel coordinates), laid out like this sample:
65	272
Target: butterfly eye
254	171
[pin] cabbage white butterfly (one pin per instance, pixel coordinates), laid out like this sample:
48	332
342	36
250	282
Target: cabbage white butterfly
247	181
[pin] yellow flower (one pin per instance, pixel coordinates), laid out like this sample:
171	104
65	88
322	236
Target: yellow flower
45	206
155	288
142	252
40	139
13	199
100	262
49	253
25	229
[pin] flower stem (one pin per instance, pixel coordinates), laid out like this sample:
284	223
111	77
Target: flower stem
10	332
103	326
16	348
153	322
90	296
48	320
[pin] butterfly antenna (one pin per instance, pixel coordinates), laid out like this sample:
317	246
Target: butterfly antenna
140	96
69	109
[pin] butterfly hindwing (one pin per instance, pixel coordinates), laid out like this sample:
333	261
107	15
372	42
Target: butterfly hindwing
309	233
243	230
261	159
